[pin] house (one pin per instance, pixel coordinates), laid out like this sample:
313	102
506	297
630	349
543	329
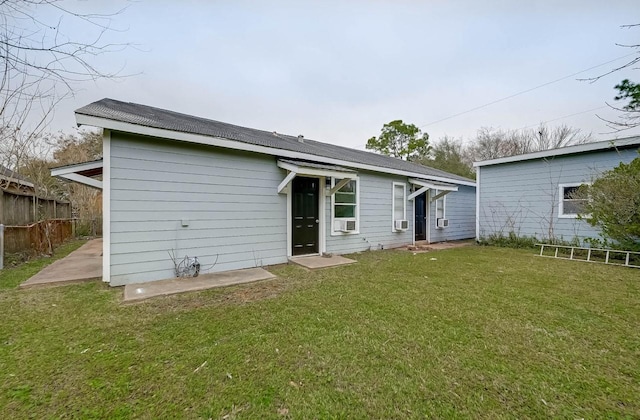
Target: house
14	182
237	197
532	194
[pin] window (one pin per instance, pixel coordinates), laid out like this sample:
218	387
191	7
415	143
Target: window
399	210
344	207
570	203
440	206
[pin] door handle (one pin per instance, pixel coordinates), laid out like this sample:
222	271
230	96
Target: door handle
317	221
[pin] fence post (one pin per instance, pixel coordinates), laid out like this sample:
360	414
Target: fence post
1	246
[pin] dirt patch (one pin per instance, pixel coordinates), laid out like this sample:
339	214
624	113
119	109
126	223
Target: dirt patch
418	247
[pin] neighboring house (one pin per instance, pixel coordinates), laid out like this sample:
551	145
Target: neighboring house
240	197
532	194
14	182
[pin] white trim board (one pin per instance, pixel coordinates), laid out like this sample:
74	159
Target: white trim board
580	148
77	167
106	206
105	123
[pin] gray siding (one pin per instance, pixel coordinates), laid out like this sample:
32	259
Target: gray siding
233	210
228	197
523	197
375	218
460	209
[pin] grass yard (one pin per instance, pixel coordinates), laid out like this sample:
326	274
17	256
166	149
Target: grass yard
478	332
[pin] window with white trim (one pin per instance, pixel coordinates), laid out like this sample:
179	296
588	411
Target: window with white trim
571	204
440	206
344	207
399	209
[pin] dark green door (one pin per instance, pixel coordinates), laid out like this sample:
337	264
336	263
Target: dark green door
305	213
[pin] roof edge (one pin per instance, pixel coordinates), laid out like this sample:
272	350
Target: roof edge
569	150
115	125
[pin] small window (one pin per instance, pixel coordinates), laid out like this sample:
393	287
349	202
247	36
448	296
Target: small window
399	210
571	204
441	207
344	207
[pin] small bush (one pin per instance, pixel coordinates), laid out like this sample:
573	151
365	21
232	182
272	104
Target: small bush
510	241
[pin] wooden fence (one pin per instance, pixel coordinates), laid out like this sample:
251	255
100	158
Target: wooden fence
37	237
18	209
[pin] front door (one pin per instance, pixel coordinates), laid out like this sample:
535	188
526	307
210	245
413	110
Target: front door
421	217
305	215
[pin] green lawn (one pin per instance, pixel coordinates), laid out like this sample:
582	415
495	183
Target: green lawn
477	332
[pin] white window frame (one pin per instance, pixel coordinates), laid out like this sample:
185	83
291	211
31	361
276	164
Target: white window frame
393	204
335	232
561	188
435	207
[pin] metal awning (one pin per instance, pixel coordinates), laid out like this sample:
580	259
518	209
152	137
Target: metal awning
82	173
305	168
426	185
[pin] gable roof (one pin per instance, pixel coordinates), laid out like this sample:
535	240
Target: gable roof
625	143
8	174
130	117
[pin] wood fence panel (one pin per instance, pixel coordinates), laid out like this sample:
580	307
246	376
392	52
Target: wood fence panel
37	237
21	209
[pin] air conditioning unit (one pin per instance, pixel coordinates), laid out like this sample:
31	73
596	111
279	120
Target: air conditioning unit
402	224
346	225
442	223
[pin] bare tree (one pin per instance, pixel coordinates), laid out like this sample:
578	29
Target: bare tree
492	144
627	90
40	66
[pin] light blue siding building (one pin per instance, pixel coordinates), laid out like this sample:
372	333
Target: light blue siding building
531	194
240	198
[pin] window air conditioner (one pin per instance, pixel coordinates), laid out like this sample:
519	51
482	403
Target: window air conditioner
346	225
442	223
402	224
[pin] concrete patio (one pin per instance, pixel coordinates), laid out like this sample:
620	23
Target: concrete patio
140	291
83	264
315	262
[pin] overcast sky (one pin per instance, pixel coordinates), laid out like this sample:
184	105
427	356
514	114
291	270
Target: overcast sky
337	71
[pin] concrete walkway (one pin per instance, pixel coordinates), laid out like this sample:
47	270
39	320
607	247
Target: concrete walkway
316	261
140	291
83	264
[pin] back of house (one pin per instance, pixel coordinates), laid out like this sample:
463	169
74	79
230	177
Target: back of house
176	185
532	195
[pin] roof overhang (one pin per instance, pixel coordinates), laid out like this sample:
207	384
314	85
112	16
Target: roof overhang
17	181
82	119
303	168
426	185
81	173
569	150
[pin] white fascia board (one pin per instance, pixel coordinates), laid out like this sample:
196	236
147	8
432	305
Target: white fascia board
70	169
430	185
105	123
301	170
580	148
81	179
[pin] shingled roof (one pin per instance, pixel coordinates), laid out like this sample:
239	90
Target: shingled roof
8	174
148	116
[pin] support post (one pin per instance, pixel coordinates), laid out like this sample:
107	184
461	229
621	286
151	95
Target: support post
1	246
